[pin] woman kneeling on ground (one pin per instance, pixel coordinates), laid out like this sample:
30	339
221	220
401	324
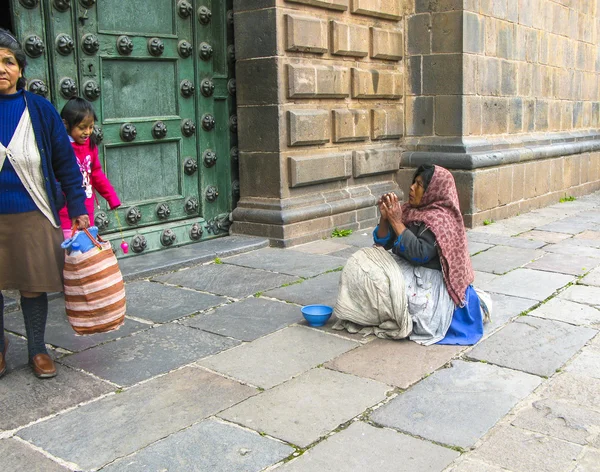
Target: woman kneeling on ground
422	289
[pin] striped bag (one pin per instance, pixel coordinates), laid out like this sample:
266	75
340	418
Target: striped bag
94	289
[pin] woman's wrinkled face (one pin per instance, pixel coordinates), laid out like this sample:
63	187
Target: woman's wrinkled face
417	189
10	72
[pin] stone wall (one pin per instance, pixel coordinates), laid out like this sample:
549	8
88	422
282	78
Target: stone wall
320	87
505	93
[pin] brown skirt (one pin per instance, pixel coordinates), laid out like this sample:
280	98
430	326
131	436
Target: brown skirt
31	258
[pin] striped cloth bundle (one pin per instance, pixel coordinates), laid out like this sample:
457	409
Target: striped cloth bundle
94	290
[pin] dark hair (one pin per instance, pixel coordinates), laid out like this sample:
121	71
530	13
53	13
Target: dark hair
75	111
426	173
8	41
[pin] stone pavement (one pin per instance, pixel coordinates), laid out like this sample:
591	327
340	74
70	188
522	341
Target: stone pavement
215	369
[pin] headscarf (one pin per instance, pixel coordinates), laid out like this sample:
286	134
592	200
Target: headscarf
440	211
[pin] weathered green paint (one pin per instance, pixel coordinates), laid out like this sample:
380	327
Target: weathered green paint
141	89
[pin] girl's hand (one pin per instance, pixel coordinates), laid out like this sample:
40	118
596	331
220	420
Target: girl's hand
81	222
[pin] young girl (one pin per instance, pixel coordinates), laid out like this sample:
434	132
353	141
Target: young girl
79	117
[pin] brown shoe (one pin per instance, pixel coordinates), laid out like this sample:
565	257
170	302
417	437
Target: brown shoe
3	357
43	366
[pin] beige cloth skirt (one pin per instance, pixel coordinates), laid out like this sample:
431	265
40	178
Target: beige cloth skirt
31	258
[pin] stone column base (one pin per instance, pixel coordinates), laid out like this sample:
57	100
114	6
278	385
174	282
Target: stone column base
293	221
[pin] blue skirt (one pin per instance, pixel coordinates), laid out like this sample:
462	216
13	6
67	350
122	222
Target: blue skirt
466	327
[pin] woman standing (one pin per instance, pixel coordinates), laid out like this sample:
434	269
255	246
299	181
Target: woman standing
35	153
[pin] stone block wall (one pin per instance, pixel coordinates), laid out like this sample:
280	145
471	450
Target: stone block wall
505	93
320	93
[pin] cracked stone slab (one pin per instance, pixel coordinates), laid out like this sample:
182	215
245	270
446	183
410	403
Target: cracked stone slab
59	332
18	456
545	236
561	420
505	307
572	387
308	407
161	304
156	351
593	278
560	309
227	280
318	290
398	363
117	425
368	449
273	359
586	364
458	405
287	261
528	283
498	239
565	264
582	294
501	259
475	247
247	319
231	449
533	345
29	399
523	451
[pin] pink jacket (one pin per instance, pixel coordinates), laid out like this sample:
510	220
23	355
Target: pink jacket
93	179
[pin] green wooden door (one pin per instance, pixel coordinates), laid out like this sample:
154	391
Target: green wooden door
160	76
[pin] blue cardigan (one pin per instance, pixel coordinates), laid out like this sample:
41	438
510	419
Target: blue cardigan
59	164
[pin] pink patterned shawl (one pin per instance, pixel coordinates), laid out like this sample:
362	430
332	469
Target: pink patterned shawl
439	210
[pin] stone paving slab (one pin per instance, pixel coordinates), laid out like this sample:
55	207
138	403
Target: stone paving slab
398	363
458	405
59	332
501	259
498	239
560	309
161	304
533	345
287	261
278	357
593	278
359	238
592	236
527	283
582	294
247	319
308	407
523	451
364	448
328	328
586	364
17	355
572	264
573	246
318	290
17	456
560	419
156	351
466	464
545	236
117	425
588	462
321	246
505	307
168	260
227	280
570	225
482	278
231	449
475	247
575	388
25	398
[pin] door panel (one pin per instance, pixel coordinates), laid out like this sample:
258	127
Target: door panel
160	76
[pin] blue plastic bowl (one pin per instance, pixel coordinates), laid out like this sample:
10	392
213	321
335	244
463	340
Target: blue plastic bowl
316	315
